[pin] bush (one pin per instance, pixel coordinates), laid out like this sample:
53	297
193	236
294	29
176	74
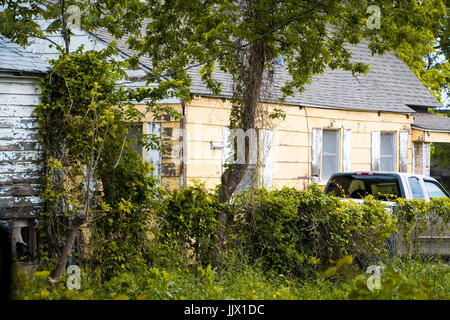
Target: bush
121	232
188	219
418	217
296	232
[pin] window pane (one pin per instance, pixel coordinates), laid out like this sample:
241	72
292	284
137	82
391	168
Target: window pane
330	141
416	189
387	152
134	130
330	153
387	164
433	190
329	166
382	187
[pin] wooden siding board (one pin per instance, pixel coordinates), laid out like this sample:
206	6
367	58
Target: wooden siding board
22	212
16	111
7	145
19	123
30	177
20	190
25	156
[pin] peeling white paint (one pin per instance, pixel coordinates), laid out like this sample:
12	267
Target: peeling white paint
13	111
19	134
316	153
403	151
21	156
346	150
376	147
267	158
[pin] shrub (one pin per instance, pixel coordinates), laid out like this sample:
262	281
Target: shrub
418	217
188	219
295	232
121	232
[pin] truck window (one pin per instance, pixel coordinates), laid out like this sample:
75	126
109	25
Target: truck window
434	190
416	189
382	187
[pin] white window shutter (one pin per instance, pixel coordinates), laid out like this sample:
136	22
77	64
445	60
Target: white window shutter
228	150
154	156
316	153
267	158
376	150
403	151
250	178
346	150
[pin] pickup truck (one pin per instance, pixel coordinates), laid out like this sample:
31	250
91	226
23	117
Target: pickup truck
385	187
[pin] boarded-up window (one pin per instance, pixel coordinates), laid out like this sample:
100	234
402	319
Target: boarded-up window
330	153
387	151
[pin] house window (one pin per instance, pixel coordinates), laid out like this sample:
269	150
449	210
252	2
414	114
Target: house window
387	151
134	131
330	153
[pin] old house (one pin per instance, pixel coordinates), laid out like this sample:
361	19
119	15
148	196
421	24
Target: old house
20	151
373	122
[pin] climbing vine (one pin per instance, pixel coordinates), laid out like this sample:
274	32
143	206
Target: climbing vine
93	175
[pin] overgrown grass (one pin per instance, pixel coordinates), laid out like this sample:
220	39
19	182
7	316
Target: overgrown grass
407	278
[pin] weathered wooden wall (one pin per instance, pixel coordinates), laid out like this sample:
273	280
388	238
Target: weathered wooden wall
168	165
21	154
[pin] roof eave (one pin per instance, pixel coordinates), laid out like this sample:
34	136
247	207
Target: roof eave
429	130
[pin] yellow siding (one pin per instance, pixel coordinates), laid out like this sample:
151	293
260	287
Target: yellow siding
291	141
427	136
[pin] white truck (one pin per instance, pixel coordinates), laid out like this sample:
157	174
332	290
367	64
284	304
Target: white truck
386	186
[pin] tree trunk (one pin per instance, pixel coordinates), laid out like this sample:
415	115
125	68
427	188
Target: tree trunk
250	79
65	253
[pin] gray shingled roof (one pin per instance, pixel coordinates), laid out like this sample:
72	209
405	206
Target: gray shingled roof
431	122
14	58
389	86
